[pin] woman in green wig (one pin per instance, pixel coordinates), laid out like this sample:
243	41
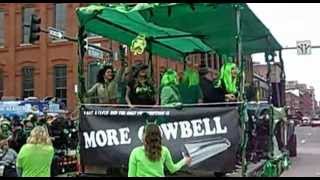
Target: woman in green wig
170	94
227	81
190	85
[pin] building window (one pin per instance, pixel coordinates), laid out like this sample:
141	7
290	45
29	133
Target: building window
93	70
26	20
2	26
1	84
60	83
27	82
59	16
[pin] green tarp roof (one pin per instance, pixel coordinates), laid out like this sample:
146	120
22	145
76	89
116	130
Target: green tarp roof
124	27
193	27
217	23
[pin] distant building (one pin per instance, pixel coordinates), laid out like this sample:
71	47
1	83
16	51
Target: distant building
49	67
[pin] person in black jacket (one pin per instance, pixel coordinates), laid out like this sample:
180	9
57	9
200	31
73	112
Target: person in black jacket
209	92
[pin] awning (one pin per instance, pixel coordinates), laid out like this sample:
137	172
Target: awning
215	24
123	27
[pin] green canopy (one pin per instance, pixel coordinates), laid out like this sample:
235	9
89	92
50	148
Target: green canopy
124	27
216	24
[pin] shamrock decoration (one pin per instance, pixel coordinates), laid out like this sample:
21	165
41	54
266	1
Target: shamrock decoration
138	44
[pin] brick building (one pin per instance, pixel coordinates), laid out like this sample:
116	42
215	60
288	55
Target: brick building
306	95
49	67
293	103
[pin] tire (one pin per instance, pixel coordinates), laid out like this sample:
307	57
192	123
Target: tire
292	146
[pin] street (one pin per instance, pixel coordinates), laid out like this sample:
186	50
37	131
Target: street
306	164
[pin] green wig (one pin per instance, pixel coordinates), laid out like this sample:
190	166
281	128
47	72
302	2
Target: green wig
226	76
190	77
169	78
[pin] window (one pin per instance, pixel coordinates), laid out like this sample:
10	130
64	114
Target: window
220	60
210	57
215	61
26	19
93	69
27	82
59	16
2	25
1	84
60	82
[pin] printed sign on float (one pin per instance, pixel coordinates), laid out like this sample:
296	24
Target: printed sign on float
209	135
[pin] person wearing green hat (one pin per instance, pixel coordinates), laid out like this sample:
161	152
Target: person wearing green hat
170	94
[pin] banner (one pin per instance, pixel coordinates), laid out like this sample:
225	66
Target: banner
210	135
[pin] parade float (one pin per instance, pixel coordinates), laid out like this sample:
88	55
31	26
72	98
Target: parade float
214	135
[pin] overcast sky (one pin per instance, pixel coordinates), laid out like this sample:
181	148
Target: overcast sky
291	22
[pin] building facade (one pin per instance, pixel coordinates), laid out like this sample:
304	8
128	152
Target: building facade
49	67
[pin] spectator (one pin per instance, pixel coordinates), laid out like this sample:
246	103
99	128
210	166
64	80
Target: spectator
149	159
227	82
140	90
35	157
7	157
170	94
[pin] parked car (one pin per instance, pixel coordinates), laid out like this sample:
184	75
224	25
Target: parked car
315	122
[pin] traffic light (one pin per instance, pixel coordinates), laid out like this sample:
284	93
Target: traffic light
34	28
83	42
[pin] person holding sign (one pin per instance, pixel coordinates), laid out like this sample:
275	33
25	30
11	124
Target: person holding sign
149	160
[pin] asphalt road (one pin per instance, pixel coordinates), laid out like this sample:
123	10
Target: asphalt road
307	162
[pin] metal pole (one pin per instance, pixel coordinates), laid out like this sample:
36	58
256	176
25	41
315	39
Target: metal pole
282	80
73	39
288	48
241	95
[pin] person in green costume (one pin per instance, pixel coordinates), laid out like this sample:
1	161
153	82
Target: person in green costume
149	159
170	95
190	85
227	81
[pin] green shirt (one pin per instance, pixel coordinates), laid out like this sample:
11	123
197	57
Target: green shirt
35	160
141	166
170	95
